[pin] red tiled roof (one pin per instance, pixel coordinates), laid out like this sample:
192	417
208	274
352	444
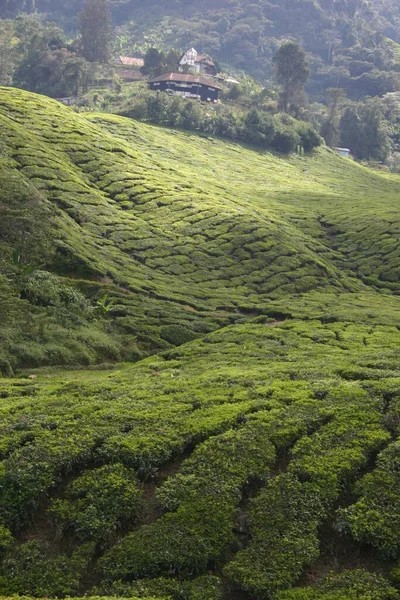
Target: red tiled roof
186	77
204	59
128	61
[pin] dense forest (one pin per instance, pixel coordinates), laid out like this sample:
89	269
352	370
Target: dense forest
349	53
352	44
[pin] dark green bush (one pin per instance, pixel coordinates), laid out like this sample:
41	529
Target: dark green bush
29	570
204	496
6	540
177	334
284	521
45	289
285	140
98	502
356	584
375	517
309	138
205	587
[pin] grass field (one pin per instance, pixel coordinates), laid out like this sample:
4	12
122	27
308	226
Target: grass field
254	453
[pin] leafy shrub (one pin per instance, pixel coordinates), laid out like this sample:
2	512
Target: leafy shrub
5	366
309	138
28	570
32	469
375	517
205	587
177	334
356	584
45	289
204	495
285	140
6	539
98	502
284	521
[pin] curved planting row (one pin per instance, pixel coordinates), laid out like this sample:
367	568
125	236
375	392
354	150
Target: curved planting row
286	516
301	408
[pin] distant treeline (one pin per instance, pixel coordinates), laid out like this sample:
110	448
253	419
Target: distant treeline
280	132
352	44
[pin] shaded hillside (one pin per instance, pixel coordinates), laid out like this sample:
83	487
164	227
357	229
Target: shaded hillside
183	233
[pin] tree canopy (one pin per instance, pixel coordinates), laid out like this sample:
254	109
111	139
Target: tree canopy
96	31
292	72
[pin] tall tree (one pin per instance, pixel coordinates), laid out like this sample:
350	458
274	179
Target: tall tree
7	52
46	64
96	31
292	72
363	130
37	43
330	129
154	62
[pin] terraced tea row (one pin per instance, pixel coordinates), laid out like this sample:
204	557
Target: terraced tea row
240	400
184	234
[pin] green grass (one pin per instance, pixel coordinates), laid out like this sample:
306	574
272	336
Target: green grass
255	442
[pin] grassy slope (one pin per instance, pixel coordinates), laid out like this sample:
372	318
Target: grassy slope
199	222
301	256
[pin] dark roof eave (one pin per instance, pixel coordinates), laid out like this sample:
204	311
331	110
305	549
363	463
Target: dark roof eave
187	78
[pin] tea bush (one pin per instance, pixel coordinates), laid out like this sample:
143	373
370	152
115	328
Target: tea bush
375	517
356	584
203	497
98	502
27	570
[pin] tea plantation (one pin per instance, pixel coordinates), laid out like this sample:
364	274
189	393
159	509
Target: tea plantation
235	433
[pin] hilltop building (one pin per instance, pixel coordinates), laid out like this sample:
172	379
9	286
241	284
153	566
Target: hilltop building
187	85
194	61
129	61
128	68
345	152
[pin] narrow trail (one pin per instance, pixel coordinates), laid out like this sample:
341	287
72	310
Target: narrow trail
329	232
242	529
152	509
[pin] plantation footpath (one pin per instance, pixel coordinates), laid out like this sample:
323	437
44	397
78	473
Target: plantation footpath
251	451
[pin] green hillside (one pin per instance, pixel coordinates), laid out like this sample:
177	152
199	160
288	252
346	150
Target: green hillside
238	454
254	454
184	233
